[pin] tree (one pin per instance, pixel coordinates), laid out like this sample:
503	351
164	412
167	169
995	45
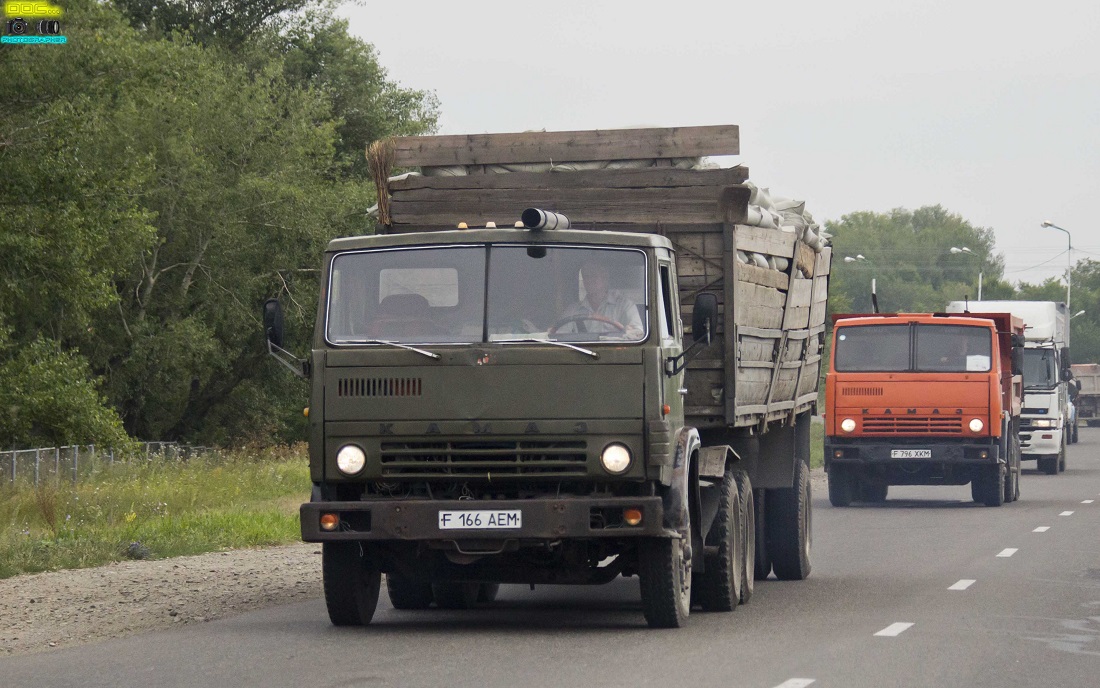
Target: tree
908	254
156	192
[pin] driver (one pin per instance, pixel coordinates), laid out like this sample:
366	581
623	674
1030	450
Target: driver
600	301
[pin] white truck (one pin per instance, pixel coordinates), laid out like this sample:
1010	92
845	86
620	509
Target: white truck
1046	424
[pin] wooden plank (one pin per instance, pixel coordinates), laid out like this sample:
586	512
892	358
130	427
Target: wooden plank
691	204
764	277
805	259
774	242
732	318
566	146
667	178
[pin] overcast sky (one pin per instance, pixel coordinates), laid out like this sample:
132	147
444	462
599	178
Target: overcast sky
989	109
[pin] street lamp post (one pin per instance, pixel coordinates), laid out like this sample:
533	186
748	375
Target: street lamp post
967	251
1069	258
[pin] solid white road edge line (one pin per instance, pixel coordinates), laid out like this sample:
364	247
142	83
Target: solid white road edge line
1041	529
796	683
895	629
1008	552
963	584
1066	513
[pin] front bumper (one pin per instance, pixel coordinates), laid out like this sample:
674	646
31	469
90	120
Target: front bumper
1040	441
878	453
542	519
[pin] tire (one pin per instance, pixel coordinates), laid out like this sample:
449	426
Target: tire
790	536
842	484
1047	464
748	530
993	487
351	583
1062	458
455	594
1074	436
664	570
718	587
874	493
487	592
409	592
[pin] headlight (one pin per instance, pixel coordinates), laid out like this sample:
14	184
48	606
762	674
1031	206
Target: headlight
976	425
350	459
1042	423
848	425
615	458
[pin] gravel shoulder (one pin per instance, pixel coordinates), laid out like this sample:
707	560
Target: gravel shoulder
64	608
43	611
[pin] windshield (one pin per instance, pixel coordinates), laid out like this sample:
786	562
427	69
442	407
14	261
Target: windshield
1040	371
471	294
913	348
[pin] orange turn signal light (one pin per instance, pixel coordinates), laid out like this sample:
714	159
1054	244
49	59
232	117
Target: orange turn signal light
666	409
329	521
632	517
305	412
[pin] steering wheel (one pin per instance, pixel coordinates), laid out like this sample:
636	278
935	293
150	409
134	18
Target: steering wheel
581	318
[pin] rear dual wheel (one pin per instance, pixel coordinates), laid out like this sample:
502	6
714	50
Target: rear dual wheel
789	517
728	578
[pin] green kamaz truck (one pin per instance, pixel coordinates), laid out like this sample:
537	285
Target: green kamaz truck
565	357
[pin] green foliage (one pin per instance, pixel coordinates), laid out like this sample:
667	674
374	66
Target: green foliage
49	397
908	254
161	184
242	499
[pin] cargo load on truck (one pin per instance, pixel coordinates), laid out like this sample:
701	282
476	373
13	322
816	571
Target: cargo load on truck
565	357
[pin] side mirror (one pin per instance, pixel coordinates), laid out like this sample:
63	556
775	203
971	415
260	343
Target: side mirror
273	322
1078	384
1017	340
1067	375
704	318
1017	360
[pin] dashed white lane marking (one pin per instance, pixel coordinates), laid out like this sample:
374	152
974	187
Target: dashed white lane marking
1041	529
895	629
796	683
963	584
1008	552
1088	501
1066	513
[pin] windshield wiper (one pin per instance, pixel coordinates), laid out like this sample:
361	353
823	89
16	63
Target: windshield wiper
429	354
535	340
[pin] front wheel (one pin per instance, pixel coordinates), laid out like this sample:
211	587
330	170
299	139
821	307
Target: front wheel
351	582
664	570
455	594
789	519
842	484
409	591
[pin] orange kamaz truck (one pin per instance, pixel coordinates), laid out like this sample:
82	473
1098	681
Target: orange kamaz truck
924	399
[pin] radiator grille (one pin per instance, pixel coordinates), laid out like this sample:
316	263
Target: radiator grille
861	391
486	460
378	387
912	425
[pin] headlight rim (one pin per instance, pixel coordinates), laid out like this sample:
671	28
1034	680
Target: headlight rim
976	421
626	466
362	459
848	425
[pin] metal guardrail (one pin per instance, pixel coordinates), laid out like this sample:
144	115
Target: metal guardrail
70	462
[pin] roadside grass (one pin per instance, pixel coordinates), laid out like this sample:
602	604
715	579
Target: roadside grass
154	509
817	445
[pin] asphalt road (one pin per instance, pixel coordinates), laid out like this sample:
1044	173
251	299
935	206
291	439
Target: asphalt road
927	589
